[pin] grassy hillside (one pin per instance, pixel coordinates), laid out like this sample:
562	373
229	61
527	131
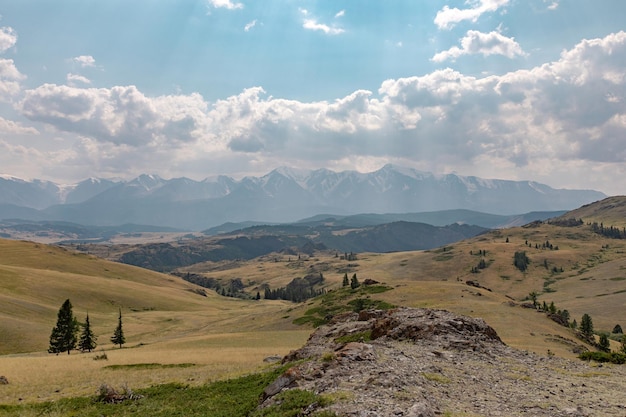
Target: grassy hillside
582	273
611	211
190	338
176	334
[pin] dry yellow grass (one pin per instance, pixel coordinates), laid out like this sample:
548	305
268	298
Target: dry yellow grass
167	323
42	377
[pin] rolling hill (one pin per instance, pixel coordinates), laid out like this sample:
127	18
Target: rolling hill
167	318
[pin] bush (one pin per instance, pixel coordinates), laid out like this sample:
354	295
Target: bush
612	357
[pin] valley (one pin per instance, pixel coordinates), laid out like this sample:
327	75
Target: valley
194	335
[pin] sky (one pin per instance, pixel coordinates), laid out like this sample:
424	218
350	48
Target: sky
508	89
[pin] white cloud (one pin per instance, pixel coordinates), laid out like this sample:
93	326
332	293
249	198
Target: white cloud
250	25
554	4
340	13
225	4
10	79
73	79
475	42
120	115
8	38
311	23
566	114
14	128
448	17
84	61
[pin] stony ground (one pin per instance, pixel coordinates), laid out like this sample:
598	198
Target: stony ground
422	362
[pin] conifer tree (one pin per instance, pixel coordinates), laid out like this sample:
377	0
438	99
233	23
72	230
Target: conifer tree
118	335
87	341
346	282
354	283
63	337
586	325
605	345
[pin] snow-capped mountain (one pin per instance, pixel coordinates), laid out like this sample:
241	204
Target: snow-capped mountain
284	194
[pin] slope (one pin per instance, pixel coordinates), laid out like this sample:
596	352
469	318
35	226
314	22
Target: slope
35	279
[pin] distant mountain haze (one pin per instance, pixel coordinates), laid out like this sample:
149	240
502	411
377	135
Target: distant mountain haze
283	195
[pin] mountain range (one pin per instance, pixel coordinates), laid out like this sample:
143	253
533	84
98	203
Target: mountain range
283	195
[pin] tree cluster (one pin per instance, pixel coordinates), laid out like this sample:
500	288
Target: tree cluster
521	261
612	232
64	336
571	222
299	289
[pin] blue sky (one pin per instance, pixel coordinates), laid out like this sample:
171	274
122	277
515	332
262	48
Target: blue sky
512	89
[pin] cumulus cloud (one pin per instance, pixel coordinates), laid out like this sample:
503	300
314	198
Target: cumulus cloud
311	23
225	4
10	79
475	42
11	127
571	110
8	38
447	17
85	61
73	79
121	115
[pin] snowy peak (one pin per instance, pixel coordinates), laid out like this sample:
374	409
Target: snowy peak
282	195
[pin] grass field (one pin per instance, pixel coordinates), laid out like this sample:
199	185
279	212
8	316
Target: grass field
177	335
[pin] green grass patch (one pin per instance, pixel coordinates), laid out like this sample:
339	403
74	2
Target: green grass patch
292	403
355	337
612	357
435	377
617	279
150	366
343	300
236	397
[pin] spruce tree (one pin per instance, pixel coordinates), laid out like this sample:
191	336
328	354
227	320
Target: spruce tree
605	345
118	335
346	282
87	341
63	337
586	325
354	283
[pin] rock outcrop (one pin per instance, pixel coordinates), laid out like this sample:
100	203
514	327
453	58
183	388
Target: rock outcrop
422	362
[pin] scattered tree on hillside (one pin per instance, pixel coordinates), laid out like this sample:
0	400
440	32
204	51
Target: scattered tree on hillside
533	297
610	231
118	335
63	337
354	283
604	345
521	261
623	346
87	341
346	281
617	329
586	325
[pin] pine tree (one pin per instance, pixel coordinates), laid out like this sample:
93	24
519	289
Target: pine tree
354	283
346	282
63	337
118	336
586	325
87	341
605	345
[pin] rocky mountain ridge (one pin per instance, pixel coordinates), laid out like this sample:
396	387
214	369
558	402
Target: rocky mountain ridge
423	363
282	195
